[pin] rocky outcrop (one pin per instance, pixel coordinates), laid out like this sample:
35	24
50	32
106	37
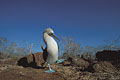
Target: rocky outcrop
111	56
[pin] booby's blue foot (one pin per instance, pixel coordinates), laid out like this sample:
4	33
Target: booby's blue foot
49	71
60	61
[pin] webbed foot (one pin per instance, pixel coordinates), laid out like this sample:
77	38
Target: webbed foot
50	71
60	61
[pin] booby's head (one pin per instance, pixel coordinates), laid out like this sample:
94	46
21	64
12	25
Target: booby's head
50	32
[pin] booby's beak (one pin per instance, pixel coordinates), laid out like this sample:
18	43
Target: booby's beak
55	36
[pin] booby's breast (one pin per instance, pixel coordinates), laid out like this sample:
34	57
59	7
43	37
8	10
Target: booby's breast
52	48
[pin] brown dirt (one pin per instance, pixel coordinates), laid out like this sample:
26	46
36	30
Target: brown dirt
15	72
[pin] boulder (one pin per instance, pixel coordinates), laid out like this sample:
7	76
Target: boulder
81	63
103	66
32	60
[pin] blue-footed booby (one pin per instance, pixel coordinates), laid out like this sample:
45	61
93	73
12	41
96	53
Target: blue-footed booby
50	53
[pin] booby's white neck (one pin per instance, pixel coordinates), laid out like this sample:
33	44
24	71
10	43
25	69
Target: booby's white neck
50	42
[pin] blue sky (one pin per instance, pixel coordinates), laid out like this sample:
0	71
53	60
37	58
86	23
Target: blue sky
89	22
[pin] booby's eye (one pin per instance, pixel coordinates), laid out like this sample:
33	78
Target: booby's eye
51	34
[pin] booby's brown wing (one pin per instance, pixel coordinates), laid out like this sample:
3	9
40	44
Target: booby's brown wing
45	54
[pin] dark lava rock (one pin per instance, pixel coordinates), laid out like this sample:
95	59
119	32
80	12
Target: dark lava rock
108	55
0	55
67	62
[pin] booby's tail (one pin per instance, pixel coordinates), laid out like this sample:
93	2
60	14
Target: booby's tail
42	47
44	55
